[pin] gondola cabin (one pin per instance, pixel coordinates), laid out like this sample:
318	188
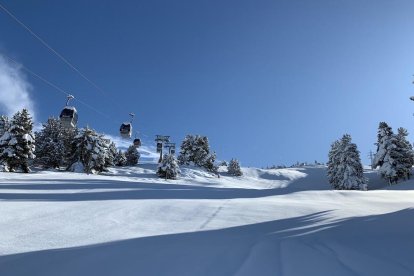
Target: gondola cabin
126	130
137	142
69	117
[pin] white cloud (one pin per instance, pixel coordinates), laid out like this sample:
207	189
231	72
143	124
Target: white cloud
14	89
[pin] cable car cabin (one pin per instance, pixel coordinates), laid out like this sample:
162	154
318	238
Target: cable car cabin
125	130
69	117
159	147
137	142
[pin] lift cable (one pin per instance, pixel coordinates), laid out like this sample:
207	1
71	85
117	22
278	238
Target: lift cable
56	53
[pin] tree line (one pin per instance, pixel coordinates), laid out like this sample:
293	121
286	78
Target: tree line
85	150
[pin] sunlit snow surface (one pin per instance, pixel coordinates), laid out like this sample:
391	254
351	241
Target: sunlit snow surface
267	222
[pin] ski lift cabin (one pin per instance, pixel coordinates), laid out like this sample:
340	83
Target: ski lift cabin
69	117
126	130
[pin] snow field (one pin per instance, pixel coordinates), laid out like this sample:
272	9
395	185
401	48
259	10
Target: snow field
266	222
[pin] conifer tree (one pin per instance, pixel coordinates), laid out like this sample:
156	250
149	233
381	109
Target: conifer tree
17	144
333	163
132	155
4	124
89	150
234	168
405	154
195	150
386	157
120	159
345	171
168	168
50	148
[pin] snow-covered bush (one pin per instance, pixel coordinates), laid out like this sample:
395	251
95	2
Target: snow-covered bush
90	150
234	168
195	150
168	168
132	155
345	171
17	144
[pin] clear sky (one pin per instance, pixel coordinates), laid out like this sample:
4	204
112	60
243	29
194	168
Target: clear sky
269	82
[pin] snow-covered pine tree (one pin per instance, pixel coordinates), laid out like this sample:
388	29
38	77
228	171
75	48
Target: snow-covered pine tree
50	148
345	171
111	153
405	154
195	150
333	163
132	155
17	144
387	154
168	168
223	163
351	172
234	168
120	159
4	124
88	152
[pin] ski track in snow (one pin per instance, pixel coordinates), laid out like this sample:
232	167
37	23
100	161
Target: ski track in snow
267	222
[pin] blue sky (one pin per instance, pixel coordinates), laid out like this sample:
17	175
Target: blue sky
269	82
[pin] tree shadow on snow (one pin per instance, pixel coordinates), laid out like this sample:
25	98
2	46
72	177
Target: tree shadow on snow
306	245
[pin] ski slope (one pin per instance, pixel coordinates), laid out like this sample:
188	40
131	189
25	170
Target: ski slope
267	222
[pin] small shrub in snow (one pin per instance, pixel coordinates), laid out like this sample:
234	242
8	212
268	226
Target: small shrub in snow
168	168
345	171
223	163
132	156
17	144
234	168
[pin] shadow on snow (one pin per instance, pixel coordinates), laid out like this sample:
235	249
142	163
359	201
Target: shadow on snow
306	245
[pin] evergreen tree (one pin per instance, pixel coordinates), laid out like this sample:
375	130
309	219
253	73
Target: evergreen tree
89	151
234	168
405	154
50	148
132	155
387	154
345	171
195	150
168	168
120	159
333	163
4	124
17	144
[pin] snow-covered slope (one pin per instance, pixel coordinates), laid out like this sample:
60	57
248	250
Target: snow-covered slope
267	222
